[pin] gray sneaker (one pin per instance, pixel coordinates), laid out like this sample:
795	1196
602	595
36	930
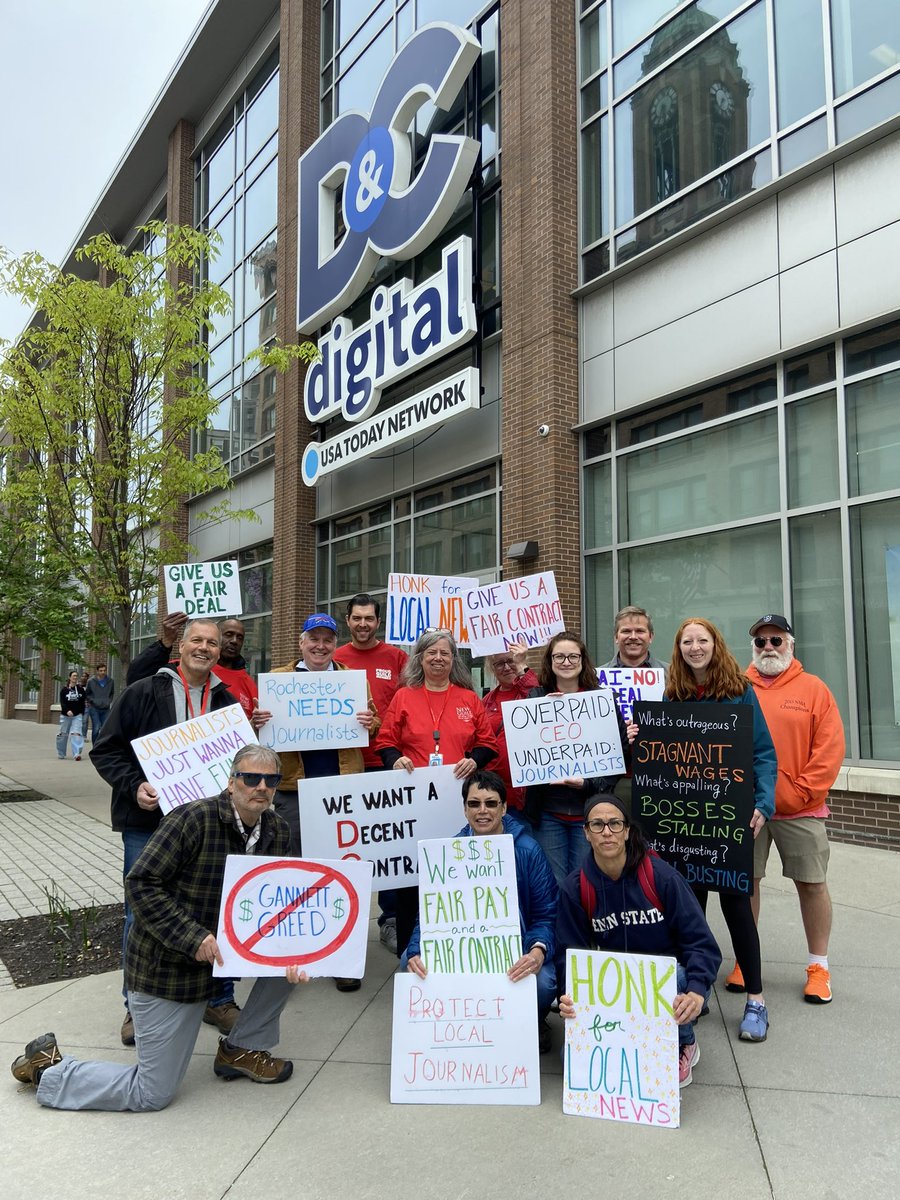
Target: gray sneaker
388	934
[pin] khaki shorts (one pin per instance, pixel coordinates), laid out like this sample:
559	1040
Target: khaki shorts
802	844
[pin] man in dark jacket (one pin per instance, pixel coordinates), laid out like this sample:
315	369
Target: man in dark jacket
186	688
175	889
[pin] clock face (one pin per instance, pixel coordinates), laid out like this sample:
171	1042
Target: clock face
664	107
723	101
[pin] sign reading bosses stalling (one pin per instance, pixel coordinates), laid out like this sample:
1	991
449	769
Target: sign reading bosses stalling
386	214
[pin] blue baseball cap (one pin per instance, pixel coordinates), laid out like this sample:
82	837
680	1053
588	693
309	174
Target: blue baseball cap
320	621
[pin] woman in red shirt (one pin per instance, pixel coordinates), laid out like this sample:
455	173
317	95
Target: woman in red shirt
514	681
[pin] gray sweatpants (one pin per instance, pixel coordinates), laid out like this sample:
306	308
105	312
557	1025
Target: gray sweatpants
165	1033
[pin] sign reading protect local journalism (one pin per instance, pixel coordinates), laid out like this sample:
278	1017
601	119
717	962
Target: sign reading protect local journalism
313	710
204	589
552	738
281	912
458	393
500	615
621	1054
192	760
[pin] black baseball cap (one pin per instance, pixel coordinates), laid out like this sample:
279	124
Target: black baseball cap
772	619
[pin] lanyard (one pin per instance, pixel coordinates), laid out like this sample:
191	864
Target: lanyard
436	732
204	695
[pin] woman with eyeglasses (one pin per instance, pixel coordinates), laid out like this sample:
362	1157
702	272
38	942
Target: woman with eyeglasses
703	668
435	719
515	680
555	809
622	898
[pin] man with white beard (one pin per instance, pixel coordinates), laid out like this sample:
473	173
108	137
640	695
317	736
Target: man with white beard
806	728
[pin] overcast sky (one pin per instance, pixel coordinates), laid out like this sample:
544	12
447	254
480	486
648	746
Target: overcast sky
77	79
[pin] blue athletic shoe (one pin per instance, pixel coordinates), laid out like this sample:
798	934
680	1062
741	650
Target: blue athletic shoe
755	1025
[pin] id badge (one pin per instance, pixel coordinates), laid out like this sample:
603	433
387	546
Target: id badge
435	760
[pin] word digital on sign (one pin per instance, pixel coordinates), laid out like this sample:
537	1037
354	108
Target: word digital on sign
386	215
692	789
621	1054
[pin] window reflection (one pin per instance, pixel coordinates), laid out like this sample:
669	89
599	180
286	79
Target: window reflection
865	40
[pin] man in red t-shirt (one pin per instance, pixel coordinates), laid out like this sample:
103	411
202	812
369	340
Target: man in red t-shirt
383	665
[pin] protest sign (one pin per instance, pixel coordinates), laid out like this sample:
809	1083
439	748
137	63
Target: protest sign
205	589
499	615
469	905
192	760
379	816
464	1039
313	710
280	912
630	684
692	789
417	603
621	1055
572	736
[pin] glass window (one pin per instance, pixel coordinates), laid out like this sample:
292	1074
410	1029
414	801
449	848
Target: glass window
594	157
873	434
723	576
597	506
875	547
690	24
817	601
865	40
457	540
875	348
632	18
799	59
356	89
457	12
262	117
725	474
812	454
869	108
261	205
803	144
599	606
593	42
809	370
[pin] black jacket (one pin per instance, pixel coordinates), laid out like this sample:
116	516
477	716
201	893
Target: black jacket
144	707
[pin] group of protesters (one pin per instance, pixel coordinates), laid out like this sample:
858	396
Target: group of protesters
586	877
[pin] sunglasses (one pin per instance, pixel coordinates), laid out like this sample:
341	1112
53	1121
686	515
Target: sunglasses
759	642
252	778
483	803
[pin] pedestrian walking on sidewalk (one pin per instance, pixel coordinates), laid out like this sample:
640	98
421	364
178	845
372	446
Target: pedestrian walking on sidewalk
71	718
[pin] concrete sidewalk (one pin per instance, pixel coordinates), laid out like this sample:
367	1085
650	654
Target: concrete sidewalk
808	1113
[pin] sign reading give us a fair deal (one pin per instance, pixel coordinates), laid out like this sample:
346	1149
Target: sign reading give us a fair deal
205	589
621	1054
499	615
464	1039
417	603
469	905
571	736
313	710
379	816
192	760
631	684
281	912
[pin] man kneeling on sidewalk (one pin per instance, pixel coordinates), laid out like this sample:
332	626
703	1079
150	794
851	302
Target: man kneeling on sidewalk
174	889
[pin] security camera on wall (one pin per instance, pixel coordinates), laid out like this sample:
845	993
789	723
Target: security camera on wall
543	430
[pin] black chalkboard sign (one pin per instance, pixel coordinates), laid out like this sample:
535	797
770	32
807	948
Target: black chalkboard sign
692	789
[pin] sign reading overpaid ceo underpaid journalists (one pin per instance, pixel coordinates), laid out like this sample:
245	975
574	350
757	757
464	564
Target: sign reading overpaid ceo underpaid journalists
386	216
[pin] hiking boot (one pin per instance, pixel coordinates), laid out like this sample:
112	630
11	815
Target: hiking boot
387	934
818	985
127	1030
755	1025
545	1038
688	1057
347	985
735	981
40	1054
258	1065
223	1016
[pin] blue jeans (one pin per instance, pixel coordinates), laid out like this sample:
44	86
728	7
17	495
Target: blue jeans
98	720
70	727
686	1033
563	842
133	842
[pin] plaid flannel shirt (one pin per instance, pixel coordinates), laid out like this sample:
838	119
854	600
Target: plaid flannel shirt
175	888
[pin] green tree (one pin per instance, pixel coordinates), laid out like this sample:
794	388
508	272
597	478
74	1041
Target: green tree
99	399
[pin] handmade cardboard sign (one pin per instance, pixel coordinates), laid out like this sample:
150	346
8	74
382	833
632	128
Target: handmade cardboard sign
572	736
281	912
630	684
192	760
499	615
621	1052
464	1039
469	905
417	603
205	589
313	710
692	789
379	816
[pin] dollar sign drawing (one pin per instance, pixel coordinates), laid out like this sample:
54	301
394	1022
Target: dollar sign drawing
458	851
246	910
473	848
488	852
338	909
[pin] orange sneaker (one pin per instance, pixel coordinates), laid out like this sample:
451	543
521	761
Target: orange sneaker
735	981
818	985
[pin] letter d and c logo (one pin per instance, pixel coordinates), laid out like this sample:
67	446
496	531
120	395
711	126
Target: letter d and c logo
385	215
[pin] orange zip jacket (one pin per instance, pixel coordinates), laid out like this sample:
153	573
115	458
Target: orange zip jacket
806	728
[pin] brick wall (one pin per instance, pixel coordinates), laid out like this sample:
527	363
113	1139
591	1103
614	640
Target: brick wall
866	819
